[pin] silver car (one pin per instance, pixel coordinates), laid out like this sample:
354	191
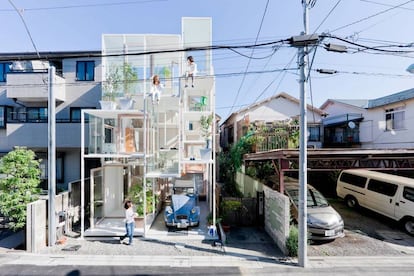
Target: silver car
324	223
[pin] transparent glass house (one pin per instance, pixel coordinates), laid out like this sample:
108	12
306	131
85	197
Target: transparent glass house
146	145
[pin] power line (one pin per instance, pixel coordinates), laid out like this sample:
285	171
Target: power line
386	5
373	48
248	63
88	5
25	26
373	15
326	17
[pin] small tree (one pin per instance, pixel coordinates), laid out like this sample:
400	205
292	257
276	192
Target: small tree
205	124
19	186
111	84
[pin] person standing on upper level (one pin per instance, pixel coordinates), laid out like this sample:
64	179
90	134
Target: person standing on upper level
156	89
191	71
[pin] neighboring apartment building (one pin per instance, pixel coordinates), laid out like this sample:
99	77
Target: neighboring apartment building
24	101
382	123
280	109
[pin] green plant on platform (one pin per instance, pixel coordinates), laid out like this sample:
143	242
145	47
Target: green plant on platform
205	125
119	76
129	78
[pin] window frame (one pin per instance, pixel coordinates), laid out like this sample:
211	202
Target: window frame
4	69
85	75
78	120
315	137
354	180
3	116
408	193
40	116
393	121
382	187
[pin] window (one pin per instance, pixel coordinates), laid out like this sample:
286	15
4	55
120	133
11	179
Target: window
85	70
394	118
2	117
355	180
36	114
382	187
314	133
59	167
408	193
4	69
75	114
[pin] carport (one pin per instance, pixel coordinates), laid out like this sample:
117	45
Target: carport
287	160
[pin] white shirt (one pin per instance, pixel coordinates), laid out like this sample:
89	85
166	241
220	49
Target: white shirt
156	89
129	215
192	68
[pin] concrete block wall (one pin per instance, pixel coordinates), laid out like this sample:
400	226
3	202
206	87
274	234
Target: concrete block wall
277	214
36	230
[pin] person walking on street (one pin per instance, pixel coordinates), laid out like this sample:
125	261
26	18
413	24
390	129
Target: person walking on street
130	215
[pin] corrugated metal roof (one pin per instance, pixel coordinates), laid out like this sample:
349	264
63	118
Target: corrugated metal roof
397	97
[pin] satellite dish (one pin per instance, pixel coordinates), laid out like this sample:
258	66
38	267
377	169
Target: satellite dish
351	124
410	69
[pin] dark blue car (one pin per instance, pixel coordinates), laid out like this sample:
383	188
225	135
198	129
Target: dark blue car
183	212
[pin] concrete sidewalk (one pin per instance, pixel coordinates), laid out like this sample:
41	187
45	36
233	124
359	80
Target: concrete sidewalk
251	250
314	263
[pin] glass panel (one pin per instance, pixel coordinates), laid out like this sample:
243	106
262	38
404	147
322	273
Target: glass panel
196	33
90	70
95	134
98	198
32	114
4	69
75	114
314	133
399	120
408	193
355	180
80	70
2	119
382	187
317	197
43	113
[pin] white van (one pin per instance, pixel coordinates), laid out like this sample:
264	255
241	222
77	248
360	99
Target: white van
387	194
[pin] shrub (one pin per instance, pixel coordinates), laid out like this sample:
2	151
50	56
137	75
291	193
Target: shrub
230	210
19	185
136	195
292	241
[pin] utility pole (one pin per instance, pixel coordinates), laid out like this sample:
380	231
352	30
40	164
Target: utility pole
51	159
302	218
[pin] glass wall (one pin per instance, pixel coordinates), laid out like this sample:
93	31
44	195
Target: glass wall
133	60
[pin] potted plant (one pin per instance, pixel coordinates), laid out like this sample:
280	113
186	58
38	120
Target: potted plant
119	76
129	79
206	131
